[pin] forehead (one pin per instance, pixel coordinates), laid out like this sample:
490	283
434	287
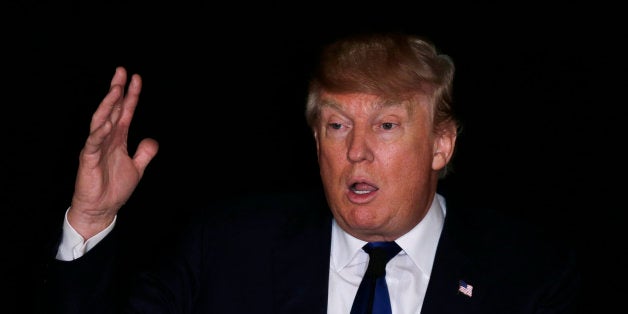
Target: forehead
353	100
368	102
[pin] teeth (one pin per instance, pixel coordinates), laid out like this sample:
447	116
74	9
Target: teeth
361	192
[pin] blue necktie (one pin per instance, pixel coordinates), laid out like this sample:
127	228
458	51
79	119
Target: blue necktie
372	296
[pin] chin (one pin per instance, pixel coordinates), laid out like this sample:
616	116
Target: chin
365	220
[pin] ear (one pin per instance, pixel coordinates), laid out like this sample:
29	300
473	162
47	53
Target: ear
444	144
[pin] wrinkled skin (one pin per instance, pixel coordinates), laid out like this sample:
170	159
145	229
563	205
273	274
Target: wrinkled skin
107	175
379	164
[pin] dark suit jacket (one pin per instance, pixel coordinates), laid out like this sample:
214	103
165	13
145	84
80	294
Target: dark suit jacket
271	255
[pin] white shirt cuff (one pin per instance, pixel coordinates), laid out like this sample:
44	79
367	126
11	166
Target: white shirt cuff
73	245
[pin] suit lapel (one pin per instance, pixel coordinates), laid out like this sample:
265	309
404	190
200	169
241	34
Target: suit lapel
451	265
301	269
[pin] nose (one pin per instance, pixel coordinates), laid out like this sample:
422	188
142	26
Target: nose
359	148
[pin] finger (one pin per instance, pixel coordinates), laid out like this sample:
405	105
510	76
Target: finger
96	138
146	151
129	103
119	77
116	91
119	80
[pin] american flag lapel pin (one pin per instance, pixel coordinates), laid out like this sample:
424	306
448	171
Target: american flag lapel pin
465	288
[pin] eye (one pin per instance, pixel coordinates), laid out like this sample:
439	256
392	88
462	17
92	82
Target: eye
335	126
388	125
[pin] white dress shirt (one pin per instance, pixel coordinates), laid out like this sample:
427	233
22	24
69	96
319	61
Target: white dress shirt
407	274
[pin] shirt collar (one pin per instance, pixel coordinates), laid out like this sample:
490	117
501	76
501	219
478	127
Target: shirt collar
419	243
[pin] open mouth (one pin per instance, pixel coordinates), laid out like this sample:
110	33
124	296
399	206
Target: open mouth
362	188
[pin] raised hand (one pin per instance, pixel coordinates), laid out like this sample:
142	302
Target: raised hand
107	175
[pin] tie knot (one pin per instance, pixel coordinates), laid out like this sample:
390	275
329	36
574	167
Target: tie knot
380	253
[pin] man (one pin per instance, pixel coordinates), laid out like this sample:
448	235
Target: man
380	109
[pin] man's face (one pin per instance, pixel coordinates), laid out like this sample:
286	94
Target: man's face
378	163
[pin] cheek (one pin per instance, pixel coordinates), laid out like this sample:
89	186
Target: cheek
407	158
330	160
406	170
405	187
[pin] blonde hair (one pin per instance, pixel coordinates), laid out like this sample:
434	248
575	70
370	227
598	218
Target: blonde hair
395	67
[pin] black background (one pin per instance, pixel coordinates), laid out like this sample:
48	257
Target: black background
539	89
